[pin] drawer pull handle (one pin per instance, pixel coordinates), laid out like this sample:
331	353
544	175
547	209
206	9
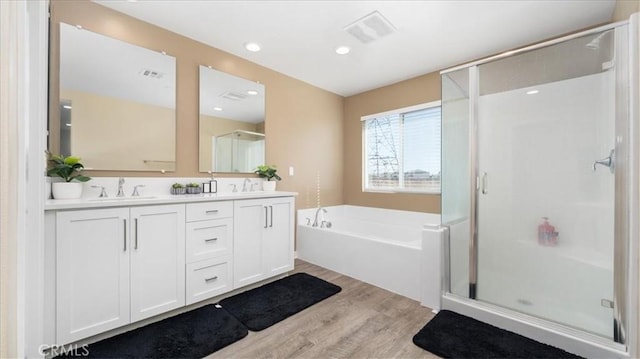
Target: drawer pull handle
211	239
210	279
212	211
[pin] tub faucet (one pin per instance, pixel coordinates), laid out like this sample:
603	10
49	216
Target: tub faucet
315	221
120	189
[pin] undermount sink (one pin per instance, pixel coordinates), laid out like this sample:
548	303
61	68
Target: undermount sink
121	198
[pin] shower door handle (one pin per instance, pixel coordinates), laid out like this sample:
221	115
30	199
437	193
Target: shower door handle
607	162
483	184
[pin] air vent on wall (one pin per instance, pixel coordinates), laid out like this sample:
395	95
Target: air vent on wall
371	27
151	74
234	96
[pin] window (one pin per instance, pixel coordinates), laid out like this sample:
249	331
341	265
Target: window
402	150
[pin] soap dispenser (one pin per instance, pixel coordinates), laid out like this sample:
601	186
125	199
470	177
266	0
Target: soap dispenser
213	184
547	235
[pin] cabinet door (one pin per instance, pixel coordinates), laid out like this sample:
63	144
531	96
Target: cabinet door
92	272
278	238
157	260
250	220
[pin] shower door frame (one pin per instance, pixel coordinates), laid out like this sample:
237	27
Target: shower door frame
625	226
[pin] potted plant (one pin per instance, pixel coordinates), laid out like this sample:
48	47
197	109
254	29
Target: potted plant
268	172
69	169
178	188
194	188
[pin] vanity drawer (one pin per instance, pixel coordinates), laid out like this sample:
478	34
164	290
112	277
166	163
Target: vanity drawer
208	278
209	210
209	239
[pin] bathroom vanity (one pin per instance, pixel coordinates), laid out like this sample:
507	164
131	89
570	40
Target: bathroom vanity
113	262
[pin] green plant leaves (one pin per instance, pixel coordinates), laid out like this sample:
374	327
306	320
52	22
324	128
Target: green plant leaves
268	172
67	168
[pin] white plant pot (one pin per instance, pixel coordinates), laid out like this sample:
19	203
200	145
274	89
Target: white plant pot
269	186
66	190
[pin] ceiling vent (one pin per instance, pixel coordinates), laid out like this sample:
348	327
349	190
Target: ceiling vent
370	28
234	96
151	74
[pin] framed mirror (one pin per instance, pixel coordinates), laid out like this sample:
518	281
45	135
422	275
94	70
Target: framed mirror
117	104
232	119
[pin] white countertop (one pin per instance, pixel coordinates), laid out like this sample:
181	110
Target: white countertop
53	204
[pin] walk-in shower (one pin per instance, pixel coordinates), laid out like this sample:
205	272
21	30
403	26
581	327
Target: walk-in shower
540	189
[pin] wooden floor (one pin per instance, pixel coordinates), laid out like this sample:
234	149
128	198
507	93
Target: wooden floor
362	321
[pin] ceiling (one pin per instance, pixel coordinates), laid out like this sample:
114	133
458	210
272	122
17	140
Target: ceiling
298	38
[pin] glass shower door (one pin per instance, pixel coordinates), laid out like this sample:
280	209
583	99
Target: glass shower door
546	134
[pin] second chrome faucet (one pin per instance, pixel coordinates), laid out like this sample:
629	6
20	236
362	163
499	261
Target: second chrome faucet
120	187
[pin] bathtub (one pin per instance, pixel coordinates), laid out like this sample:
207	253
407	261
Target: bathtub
378	246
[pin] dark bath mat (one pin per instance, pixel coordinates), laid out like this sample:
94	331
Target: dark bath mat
193	334
451	335
264	306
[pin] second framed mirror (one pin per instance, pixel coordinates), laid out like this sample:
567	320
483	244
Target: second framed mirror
232	122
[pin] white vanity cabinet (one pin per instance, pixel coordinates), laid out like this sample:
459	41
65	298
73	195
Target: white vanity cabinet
116	266
209	250
114	262
263	239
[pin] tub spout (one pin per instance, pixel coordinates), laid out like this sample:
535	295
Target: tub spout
315	221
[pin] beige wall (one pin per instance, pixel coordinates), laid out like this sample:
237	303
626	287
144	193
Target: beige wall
216	126
111	132
624	9
303	123
415	91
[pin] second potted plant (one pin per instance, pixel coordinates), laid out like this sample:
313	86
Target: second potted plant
178	188
194	188
268	172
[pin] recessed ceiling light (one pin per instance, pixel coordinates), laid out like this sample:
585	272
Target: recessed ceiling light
217	108
163	52
532	92
252	46
252	92
79	27
342	50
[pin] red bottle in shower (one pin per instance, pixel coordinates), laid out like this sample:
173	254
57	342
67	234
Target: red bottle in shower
547	235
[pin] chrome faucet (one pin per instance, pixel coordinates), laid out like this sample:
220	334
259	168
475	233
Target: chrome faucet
103	192
120	189
135	190
315	221
244	184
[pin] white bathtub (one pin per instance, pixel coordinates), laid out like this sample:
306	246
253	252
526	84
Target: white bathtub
378	246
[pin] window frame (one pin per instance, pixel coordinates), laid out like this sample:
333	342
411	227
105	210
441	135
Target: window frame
365	161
